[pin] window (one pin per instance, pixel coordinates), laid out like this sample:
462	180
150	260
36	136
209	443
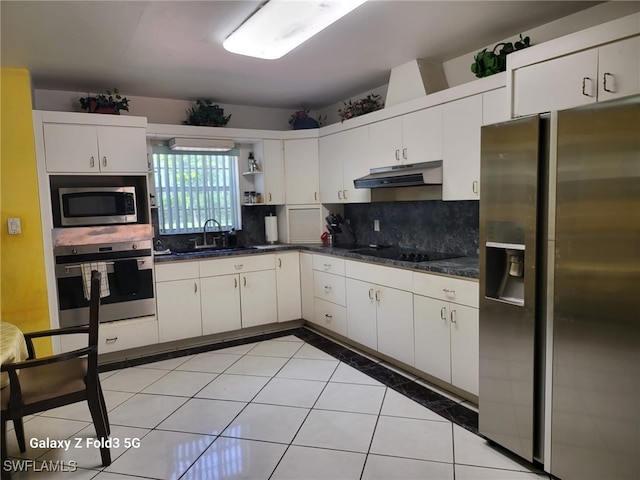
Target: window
192	187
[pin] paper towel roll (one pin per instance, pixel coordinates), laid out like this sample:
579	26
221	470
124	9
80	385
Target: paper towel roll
271	228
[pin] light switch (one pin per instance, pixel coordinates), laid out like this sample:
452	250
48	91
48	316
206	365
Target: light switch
14	226
376	225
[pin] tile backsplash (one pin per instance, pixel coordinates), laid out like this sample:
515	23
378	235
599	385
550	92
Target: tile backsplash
429	225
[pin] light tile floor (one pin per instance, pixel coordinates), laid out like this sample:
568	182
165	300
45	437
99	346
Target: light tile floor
275	409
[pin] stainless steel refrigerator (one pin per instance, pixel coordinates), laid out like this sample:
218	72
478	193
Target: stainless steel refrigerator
560	290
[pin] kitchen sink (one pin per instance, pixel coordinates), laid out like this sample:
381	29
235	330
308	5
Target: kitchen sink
193	250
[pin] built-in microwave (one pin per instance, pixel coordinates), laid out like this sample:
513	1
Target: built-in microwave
84	206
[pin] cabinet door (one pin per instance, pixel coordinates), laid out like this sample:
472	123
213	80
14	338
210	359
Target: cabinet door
178	304
464	347
332	151
495	106
306	286
619	69
258	298
355	164
557	84
422	135
361	313
122	149
462	121
273	159
288	286
71	148
220	304
432	342
385	142
301	171
395	324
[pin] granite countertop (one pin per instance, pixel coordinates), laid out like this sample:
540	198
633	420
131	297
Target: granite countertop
460	267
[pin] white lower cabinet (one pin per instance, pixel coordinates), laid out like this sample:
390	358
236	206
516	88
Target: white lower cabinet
115	336
331	316
258	298
306	286
446	333
220	304
288	286
329	293
178	301
380	309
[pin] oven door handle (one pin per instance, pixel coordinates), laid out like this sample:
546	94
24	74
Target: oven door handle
69	267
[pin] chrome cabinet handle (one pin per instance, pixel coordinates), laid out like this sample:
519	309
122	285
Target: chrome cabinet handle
235	283
327	289
315	195
604	82
195	287
344	194
269	194
404	153
443	313
377	295
92	162
449	293
339	194
371	293
238	266
279	263
584	86
244	281
397	155
111	340
328	317
453	316
326	266
104	161
474	186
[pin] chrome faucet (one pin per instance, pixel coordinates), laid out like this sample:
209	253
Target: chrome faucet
204	232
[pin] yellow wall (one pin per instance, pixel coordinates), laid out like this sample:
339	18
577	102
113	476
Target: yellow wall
23	287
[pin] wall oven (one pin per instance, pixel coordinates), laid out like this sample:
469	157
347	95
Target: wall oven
97	205
128	262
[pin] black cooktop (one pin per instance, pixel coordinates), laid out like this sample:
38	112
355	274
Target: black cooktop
404	255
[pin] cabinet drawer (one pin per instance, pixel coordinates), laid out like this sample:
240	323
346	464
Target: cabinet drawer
236	264
325	263
387	276
331	316
454	290
329	287
138	332
114	336
166	272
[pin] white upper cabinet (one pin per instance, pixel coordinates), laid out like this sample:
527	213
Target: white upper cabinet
75	148
619	69
301	171
598	74
412	138
344	156
495	106
462	121
273	160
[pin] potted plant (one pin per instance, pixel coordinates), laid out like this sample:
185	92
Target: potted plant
301	120
487	63
368	104
206	114
109	102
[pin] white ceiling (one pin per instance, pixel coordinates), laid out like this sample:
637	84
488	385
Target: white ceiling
173	49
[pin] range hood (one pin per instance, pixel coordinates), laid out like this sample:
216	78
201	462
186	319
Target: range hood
425	173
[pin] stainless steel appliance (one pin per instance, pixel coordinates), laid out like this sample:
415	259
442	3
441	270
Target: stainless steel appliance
129	266
97	205
409	175
559	285
340	229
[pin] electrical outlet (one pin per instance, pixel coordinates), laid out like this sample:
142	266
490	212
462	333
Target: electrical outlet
376	225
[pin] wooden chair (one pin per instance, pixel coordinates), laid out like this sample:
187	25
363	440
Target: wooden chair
39	384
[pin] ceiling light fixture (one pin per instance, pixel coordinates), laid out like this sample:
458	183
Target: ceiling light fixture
201	144
281	25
